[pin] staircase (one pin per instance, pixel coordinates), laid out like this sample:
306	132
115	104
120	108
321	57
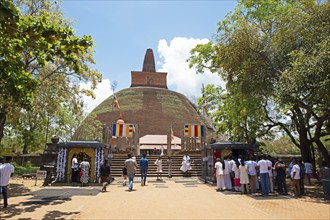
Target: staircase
118	160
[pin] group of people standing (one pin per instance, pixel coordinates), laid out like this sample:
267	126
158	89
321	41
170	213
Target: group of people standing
130	167
80	171
265	174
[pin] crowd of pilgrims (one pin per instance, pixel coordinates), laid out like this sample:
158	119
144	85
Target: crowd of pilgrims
265	174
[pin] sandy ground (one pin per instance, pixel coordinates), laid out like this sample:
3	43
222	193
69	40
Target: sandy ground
179	198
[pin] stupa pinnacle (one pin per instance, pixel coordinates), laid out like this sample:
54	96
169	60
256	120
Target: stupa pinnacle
149	77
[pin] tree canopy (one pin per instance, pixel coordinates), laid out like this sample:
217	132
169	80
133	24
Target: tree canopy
274	57
42	61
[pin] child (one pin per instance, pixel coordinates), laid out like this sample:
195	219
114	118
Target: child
124	176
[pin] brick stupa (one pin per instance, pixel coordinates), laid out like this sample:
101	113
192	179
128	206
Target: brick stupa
149	104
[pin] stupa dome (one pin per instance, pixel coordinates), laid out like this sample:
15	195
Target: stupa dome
150	105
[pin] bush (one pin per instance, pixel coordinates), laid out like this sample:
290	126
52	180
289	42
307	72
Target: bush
21	170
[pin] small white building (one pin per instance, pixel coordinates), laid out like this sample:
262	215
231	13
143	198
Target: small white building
152	144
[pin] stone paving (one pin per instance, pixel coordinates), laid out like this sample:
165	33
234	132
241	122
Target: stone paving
177	198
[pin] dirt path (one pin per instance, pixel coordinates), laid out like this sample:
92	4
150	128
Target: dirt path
180	198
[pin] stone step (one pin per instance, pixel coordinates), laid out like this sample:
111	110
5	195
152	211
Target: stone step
117	164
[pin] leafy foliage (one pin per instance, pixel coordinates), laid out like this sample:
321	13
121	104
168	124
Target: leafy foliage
42	62
274	58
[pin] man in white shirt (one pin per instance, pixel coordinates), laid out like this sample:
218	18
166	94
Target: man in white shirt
74	169
6	171
219	174
251	166
295	178
264	175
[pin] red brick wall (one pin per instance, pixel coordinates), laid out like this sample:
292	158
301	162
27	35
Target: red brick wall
150	79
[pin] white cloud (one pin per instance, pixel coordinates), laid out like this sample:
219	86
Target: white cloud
174	61
102	91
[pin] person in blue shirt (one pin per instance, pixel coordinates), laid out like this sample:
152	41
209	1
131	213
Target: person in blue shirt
144	169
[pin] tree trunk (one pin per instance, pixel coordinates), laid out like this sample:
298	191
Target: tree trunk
323	150
317	139
3	117
305	148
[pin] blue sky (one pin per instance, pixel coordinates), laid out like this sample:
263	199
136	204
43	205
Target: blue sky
123	30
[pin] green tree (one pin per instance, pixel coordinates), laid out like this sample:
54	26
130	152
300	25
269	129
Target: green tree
41	56
276	54
91	128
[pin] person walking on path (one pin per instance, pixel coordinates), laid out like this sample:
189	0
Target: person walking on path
144	169
219	167
325	178
130	165
295	178
159	170
105	175
84	166
264	175
169	165
124	176
6	171
185	163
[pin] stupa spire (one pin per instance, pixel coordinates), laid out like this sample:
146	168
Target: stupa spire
149	62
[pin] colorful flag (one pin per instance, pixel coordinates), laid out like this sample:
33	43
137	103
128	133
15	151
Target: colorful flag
122	130
194	130
115	102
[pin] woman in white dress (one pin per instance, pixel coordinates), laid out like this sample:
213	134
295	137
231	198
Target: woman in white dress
244	177
159	168
84	166
185	163
237	184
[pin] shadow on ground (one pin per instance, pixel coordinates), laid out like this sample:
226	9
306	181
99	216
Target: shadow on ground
17	190
47	197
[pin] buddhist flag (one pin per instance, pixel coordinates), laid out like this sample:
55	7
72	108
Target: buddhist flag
129	130
122	130
194	130
115	102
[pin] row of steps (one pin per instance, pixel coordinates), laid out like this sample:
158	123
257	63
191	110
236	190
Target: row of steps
118	160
